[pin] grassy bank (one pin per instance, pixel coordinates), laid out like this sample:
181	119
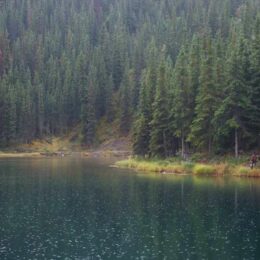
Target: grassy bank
179	167
242	171
19	155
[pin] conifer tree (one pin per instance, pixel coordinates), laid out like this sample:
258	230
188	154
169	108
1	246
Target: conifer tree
88	112
110	110
141	135
202	128
39	100
8	111
181	98
75	62
160	121
255	82
125	98
233	112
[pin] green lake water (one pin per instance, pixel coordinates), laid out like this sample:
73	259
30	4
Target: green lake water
79	209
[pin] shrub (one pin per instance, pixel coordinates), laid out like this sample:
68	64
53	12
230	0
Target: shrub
203	169
174	168
222	169
247	172
188	166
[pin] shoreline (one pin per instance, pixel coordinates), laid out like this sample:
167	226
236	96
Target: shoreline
80	153
6	155
189	168
167	167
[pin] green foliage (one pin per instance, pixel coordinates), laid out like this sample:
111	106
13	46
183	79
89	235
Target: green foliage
88	110
178	167
202	128
201	169
160	123
187	73
141	136
142	129
125	109
247	172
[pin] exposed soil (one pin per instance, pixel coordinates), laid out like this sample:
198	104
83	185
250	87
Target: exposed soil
117	147
62	147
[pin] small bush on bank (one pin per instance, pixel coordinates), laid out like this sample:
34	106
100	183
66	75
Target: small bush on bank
222	169
202	169
247	172
188	166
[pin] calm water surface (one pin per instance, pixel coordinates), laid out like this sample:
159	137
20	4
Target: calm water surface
78	209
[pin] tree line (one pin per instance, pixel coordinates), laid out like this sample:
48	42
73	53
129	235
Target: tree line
179	75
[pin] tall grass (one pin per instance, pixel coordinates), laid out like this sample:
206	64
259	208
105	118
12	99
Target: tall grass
151	166
178	167
203	169
154	166
243	171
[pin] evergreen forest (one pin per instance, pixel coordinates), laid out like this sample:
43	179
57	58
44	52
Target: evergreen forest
177	75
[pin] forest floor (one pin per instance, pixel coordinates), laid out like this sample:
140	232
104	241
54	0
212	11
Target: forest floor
109	143
60	146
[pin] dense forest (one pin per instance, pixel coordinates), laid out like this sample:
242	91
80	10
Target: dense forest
178	75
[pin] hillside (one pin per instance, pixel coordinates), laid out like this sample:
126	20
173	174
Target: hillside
182	76
109	143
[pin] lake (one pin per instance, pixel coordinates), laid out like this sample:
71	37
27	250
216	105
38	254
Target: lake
69	208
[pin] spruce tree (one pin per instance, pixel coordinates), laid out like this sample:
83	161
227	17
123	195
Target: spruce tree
39	105
110	109
88	113
141	135
48	53
181	98
255	82
160	120
233	111
202	128
125	98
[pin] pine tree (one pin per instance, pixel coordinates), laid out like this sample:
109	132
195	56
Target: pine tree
68	96
181	98
118	58
10	117
8	111
160	122
39	100
80	80
233	112
110	110
255	82
202	128
125	113
101	87
141	135
88	113
56	57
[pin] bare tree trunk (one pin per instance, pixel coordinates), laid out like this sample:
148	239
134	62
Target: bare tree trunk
236	143
209	146
164	144
182	146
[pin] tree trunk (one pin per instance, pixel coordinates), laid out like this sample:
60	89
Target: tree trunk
236	143
182	146
209	151
164	144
